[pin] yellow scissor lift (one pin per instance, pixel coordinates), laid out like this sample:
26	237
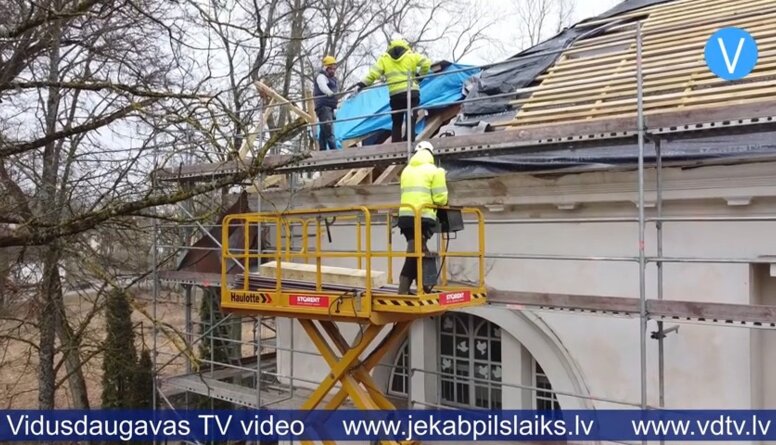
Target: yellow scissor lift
371	307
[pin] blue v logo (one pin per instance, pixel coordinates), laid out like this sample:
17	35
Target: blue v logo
731	53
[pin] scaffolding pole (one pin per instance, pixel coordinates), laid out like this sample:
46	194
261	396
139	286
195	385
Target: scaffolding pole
642	223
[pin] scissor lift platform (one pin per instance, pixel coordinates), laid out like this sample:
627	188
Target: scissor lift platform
321	305
300	299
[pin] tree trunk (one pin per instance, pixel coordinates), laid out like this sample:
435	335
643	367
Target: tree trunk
71	349
5	270
47	322
294	51
51	285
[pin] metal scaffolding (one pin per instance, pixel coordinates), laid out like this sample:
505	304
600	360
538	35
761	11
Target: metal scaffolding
271	388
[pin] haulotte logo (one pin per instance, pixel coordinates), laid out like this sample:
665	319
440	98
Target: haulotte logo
731	53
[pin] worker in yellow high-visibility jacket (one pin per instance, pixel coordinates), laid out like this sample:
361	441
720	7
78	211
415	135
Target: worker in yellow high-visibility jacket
398	64
422	183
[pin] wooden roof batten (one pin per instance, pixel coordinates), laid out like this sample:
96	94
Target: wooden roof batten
596	78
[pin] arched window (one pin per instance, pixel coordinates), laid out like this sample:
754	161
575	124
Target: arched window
545	400
470	366
470	361
400	377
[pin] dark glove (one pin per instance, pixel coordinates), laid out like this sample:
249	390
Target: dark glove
359	86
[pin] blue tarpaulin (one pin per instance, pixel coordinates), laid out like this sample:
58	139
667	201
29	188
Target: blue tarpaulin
435	91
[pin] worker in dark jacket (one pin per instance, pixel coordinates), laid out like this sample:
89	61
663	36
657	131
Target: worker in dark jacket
397	64
325	90
422	183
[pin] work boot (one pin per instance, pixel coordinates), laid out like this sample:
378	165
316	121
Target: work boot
404	285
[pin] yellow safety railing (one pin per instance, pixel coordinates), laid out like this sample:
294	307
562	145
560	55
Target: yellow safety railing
358	228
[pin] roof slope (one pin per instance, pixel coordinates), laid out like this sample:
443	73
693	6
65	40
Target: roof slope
596	77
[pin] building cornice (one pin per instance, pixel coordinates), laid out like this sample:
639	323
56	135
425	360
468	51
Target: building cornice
735	185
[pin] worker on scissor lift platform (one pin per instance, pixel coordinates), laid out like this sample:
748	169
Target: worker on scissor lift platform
422	183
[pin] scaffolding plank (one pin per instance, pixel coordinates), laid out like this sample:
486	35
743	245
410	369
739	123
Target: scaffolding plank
211	387
696	311
192	278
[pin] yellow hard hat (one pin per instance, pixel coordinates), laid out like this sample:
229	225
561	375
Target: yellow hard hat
329	60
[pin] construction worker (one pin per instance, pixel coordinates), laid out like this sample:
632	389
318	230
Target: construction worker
422	183
396	64
325	90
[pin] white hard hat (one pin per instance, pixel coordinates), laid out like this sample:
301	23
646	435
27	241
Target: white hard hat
424	145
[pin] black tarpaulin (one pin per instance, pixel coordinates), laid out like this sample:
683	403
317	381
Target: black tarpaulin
710	147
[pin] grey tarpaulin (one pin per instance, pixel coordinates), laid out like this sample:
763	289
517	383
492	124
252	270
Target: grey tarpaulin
524	68
709	147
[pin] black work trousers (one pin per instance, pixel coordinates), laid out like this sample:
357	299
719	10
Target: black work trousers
406	225
326	139
399	103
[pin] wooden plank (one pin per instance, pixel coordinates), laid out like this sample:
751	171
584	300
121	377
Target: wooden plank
704	311
652	74
653	32
389	174
671	309
702	84
690	40
622	116
329	274
702	78
667	58
327	179
282	100
718	95
274	181
513	300
249	141
627	32
653	56
354	177
351	143
309	106
663	40
357	177
733	8
663	118
438	119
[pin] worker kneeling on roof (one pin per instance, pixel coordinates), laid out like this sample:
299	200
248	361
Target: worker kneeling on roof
398	65
422	183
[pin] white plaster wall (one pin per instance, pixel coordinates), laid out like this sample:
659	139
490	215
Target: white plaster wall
607	349
706	366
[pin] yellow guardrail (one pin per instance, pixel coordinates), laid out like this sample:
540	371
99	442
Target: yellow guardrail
251	239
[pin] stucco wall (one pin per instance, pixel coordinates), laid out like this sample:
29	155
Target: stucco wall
706	366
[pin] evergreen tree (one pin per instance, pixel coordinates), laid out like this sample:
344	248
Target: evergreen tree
119	356
143	382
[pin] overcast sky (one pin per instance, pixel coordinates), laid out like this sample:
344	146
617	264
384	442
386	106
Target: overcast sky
507	34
